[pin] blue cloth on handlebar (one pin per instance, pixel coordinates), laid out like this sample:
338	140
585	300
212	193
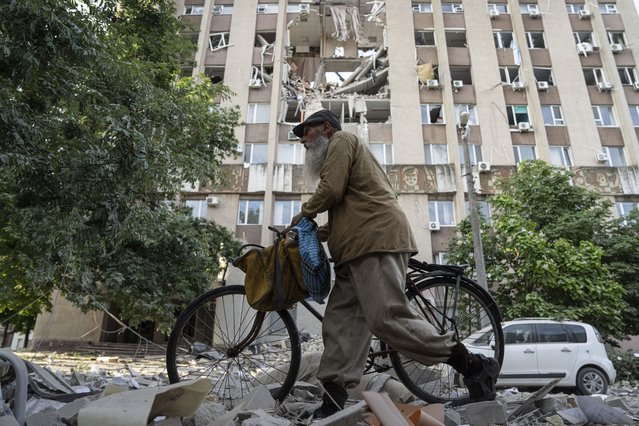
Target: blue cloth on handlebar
316	269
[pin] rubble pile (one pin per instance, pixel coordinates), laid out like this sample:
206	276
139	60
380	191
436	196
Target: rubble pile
67	389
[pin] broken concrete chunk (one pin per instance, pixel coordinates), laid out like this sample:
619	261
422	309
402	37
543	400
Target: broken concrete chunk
574	416
485	413
596	411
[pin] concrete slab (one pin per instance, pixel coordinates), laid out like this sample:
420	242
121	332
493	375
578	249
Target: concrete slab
596	411
485	413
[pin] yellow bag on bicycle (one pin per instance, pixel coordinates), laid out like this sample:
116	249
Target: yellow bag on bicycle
273	283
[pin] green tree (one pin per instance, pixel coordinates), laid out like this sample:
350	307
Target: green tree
98	133
540	252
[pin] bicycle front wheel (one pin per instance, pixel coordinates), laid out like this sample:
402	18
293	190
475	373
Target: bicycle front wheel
467	309
220	337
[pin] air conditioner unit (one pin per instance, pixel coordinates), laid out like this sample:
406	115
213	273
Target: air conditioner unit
213	201
518	86
433	226
635	85
239	148
255	83
604	86
534	13
584	48
305	8
432	84
483	166
602	157
292	136
262	8
542	85
458	84
218	10
584	14
616	47
493	13
458	9
524	126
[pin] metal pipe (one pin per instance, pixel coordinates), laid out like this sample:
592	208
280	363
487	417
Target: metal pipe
22	376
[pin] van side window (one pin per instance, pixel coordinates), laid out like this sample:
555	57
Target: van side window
518	333
576	333
551	333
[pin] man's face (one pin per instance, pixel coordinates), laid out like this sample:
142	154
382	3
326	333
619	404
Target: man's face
311	133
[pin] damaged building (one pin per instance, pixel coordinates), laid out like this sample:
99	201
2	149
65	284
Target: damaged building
554	80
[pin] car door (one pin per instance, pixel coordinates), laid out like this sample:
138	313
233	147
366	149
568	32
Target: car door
520	356
556	356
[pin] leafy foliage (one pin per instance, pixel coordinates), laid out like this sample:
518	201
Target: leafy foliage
626	364
99	132
541	252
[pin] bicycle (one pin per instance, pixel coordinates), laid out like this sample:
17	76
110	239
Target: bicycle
221	337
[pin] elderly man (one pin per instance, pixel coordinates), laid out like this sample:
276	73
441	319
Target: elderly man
370	241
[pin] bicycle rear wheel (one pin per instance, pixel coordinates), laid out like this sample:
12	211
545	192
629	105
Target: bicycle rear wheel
477	319
220	337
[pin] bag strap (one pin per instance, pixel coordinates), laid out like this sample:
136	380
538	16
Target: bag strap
277	285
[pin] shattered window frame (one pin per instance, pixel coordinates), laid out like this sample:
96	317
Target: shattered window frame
502	37
634	114
256	153
517	114
617	37
218	40
476	154
628	75
453	40
472	113
284	210
250	212
509	74
594	76
422	37
616	156
535	40
499	7
544	74
422	7
560	156
442	212
193	9
435	153
428	109
383	153
552	115
583	37
198	208
524	153
295	154
604	115
258	113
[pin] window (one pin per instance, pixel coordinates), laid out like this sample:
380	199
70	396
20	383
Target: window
535	40
504	39
198	207
258	113
482	207
472	113
218	41
607	8
285	210
517	114
560	156
456	38
574	8
524	153
634	113
475	154
194	9
625	207
499	7
294	8
255	153
251	212
527	8
422	7
432	114
594	76
604	116
576	333
382	152
425	38
452	8
616	156
440	257
223	10
551	333
628	75
435	153
552	115
441	212
290	153
519	333
544	74
267	8
509	74
617	37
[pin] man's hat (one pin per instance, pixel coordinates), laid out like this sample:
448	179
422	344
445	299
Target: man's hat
318	117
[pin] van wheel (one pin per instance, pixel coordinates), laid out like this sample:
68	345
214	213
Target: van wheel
590	381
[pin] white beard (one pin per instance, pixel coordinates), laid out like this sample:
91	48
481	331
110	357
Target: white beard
315	157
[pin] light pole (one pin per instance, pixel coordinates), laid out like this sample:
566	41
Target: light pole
478	248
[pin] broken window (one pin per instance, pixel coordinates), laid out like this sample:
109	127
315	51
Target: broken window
382	152
263	39
604	116
628	75
608	8
593	76
616	156
535	40
560	156
435	153
617	37
503	39
452	8
552	115
290	153
441	212
472	113
218	41
456	39
509	74
255	153
524	153
422	7
250	212
499	7
432	114
475	154
573	9
543	74
215	74
284	211
425	38
258	113
194	9
517	114
461	73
